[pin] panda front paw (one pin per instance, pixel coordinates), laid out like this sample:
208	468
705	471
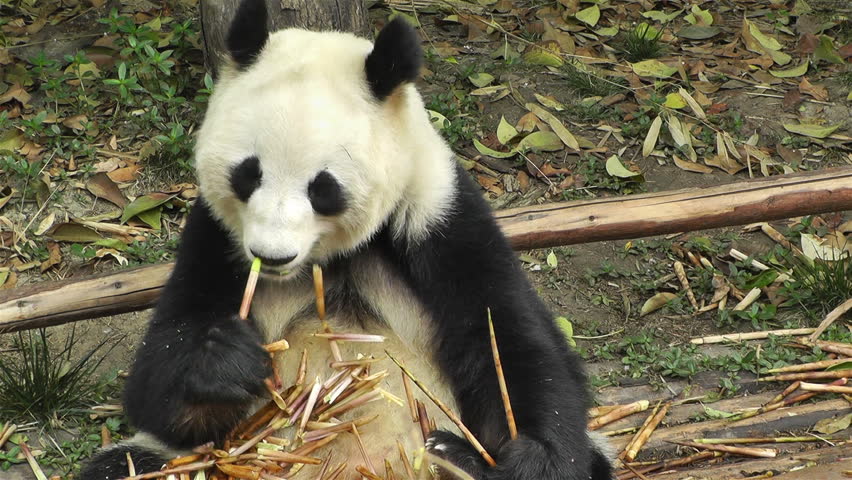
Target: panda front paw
191	385
520	459
228	365
457	451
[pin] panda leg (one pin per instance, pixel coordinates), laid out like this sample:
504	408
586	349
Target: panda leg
112	463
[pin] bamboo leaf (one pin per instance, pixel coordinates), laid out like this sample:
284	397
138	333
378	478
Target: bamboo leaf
505	131
652	136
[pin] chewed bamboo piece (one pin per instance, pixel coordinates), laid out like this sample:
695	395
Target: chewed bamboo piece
809	367
449	413
747	451
319	292
619	413
251	285
501	381
645	432
808	376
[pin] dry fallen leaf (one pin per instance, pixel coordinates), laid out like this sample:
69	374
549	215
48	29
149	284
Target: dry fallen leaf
656	302
816	91
691	166
54	256
652	136
101	186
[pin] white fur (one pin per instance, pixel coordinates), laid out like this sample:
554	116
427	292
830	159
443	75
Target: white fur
304	106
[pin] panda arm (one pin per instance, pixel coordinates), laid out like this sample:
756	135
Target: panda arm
460	271
199	364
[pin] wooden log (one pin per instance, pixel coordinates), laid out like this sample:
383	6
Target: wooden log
791	419
828	461
216	17
540	226
617	218
52	303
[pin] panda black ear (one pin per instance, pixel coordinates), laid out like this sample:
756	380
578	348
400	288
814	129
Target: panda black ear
396	58
248	32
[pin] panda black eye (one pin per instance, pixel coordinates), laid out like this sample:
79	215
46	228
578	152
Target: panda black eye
326	194
245	178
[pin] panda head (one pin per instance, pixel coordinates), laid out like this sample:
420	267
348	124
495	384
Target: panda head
313	140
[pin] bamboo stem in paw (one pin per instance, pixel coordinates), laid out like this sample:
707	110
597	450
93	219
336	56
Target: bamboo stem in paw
251	284
501	380
449	413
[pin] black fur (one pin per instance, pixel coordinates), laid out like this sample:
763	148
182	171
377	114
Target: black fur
396	58
111	464
199	365
463	268
246	177
326	194
248	32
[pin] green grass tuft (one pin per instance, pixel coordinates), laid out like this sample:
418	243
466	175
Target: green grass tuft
45	384
642	43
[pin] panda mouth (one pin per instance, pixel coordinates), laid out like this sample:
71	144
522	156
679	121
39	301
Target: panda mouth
275	273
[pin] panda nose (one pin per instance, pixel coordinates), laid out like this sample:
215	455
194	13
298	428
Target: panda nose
274	261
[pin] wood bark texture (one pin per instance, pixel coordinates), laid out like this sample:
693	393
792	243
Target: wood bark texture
344	15
540	226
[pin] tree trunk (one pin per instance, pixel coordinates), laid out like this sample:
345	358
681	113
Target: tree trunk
539	226
216	15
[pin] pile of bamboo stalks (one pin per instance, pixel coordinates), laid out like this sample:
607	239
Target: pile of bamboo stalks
278	440
809	380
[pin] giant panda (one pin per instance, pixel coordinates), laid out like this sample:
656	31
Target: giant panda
316	149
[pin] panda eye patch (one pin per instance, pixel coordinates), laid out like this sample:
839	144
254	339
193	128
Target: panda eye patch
245	177
326	194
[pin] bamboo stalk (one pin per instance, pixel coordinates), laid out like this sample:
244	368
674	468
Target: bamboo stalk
251	285
808	376
354	363
406	385
406	464
361	447
501	381
739	337
351	337
746	451
622	431
337	471
192	467
449	413
833	347
618	414
809	367
830	318
669	464
337	428
819	387
319	292
365	471
750	297
785	403
131	468
34	466
280	456
684	283
787	391
737	441
423	420
645	432
7	431
309	406
277	346
602	409
775	235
